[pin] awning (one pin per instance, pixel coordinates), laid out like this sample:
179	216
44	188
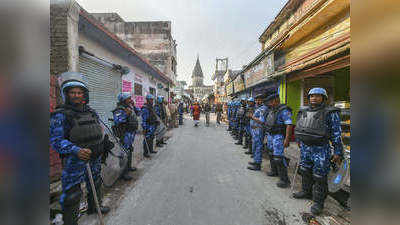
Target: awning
268	86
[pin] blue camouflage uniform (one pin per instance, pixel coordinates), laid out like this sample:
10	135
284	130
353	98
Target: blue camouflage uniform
257	133
235	117
74	169
120	117
275	141
149	128
317	158
247	127
229	114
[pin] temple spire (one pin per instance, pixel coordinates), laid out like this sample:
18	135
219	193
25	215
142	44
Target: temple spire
197	71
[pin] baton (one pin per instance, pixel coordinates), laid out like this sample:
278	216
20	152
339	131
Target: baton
294	176
94	193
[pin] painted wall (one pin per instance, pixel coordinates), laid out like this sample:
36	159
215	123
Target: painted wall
294	97
342	84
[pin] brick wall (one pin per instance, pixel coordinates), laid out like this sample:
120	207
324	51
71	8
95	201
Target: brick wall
63	54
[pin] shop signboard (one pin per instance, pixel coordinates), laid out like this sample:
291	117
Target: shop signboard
138	90
269	64
239	84
255	73
229	88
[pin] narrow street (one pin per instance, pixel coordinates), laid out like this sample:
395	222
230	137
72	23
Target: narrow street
200	177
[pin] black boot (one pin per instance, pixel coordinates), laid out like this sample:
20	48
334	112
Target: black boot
256	167
158	144
246	142
91	203
250	151
240	141
151	146
274	170
306	184
282	172
129	164
252	163
146	148
71	205
320	191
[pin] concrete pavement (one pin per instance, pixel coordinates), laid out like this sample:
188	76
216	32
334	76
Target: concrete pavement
200	177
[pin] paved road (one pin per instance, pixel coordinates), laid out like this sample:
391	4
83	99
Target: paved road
201	178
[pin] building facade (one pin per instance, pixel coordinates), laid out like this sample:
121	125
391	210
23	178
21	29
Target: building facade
152	39
80	43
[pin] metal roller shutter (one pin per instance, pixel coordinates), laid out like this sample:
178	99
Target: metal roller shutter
104	86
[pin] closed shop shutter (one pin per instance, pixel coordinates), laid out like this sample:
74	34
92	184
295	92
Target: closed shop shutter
104	86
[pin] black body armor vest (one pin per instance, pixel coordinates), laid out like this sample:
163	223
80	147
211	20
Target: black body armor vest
271	125
311	127
152	120
241	112
132	123
86	131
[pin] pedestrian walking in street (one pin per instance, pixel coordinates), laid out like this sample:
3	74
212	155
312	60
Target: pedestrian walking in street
218	111
278	125
207	111
317	126
77	135
126	123
196	113
256	124
180	111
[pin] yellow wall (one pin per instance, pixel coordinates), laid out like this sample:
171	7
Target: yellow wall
282	90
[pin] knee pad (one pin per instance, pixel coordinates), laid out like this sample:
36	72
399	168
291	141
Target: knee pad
304	171
73	196
321	179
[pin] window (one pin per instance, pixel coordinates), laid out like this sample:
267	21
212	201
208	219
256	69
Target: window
138	89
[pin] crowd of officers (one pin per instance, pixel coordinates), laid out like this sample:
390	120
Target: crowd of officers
317	132
78	135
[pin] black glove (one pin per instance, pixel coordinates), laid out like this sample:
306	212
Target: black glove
108	145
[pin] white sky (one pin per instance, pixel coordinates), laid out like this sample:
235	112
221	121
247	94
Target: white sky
210	28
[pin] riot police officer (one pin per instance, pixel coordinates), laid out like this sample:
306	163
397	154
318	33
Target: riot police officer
249	112
278	125
126	124
256	124
149	124
160	111
229	115
317	124
234	119
76	134
240	118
